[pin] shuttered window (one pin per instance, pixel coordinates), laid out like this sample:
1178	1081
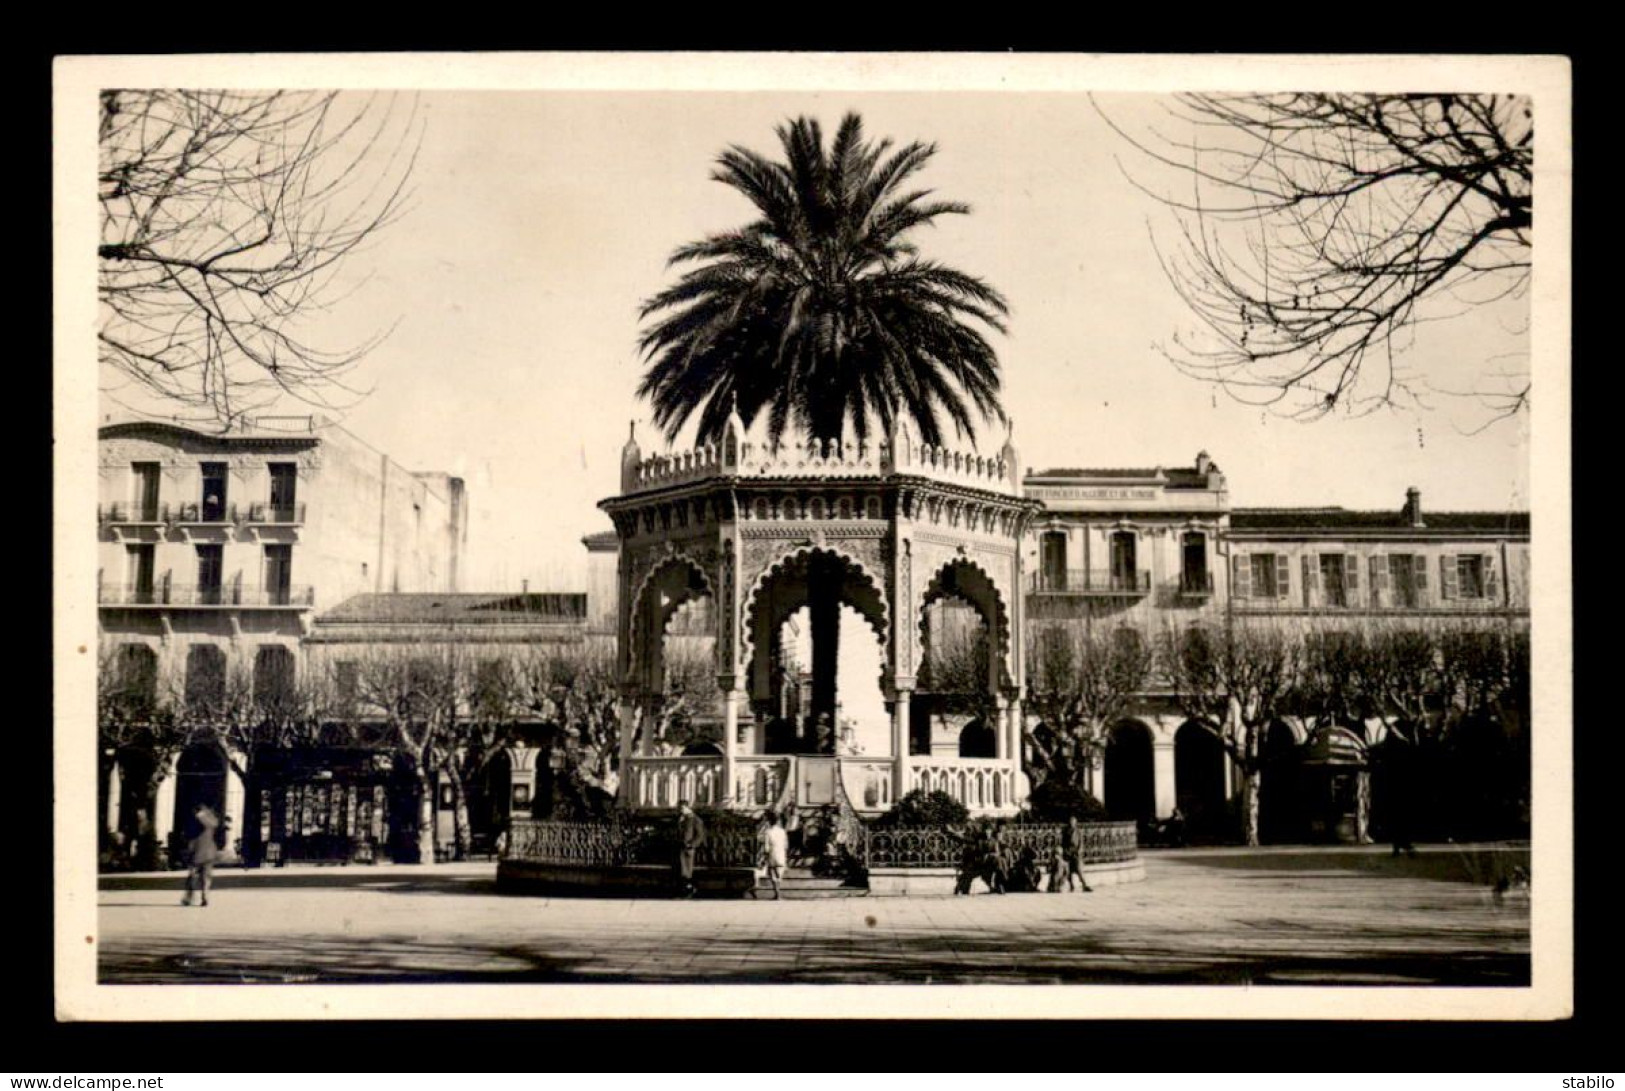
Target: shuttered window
1244	576
1448	577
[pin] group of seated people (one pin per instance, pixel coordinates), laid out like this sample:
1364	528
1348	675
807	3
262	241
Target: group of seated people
990	857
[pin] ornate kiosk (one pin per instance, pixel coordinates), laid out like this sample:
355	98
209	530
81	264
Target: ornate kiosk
764	531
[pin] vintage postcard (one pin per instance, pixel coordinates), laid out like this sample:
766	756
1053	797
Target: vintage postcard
812	536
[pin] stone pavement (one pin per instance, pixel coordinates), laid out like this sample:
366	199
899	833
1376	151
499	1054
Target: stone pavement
1203	916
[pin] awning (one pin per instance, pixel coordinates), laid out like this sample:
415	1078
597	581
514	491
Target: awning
1335	746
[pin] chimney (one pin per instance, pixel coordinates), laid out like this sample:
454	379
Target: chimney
524	587
1413	507
1202	462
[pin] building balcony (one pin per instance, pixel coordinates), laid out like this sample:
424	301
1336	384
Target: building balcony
201	514
171	595
1099	583
1195	585
287	515
125	513
1382	605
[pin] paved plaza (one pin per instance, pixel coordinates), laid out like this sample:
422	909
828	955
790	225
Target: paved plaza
1202	916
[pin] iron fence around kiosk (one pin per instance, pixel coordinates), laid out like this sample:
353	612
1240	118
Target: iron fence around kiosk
623	843
944	846
633	841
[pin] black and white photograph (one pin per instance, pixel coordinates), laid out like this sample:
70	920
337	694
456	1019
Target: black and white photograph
936	535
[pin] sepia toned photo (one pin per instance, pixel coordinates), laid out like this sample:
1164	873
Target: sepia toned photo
953	536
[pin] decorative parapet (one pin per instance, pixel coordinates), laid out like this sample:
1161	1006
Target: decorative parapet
821	459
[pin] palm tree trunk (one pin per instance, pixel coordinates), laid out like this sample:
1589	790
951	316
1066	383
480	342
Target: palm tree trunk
824	607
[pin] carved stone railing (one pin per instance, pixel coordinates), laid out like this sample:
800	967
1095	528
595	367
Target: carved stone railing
666	782
992	472
978	783
814	459
867	782
676	468
943	846
759	781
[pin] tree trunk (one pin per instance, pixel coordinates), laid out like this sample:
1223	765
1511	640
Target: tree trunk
1362	807
459	811
824	609
425	783
1251	781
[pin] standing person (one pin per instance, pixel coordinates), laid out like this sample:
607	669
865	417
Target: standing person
774	851
792	828
201	853
690	836
1072	847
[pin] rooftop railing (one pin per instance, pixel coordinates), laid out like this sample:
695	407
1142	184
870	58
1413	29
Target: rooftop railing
821	459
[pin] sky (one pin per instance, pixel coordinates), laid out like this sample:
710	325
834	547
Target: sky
540	220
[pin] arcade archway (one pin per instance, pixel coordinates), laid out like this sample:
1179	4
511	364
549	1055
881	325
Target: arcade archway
1130	778
1199	781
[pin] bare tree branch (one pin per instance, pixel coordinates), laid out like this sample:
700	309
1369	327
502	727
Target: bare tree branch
225	218
1320	230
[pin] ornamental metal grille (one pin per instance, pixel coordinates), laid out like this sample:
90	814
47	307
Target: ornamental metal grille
942	846
624	843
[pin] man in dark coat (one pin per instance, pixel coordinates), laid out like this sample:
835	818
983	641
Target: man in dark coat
201	853
1072	849
690	836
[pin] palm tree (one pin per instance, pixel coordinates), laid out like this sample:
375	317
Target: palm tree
820	313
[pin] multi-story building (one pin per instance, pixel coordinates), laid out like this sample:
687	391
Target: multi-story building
1125	554
1328	571
471	649
216	552
1138	554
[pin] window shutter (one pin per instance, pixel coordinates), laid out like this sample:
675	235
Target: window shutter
1447	576
1311	578
1283	576
1420	571
1243	564
1492	582
1379	579
1351	574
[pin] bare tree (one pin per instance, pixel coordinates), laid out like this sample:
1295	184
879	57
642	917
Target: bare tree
225	217
575	689
139	730
1319	230
1078	685
690	709
410	691
1235	682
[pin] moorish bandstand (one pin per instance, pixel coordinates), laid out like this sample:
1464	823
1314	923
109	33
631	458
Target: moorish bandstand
765	531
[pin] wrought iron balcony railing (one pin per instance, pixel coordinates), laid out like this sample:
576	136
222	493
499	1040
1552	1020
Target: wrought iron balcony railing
1195	584
124	511
171	594
286	514
203	513
1088	581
